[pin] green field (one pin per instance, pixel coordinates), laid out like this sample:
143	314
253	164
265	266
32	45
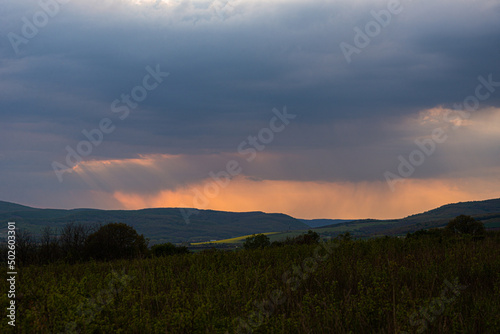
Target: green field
382	285
236	240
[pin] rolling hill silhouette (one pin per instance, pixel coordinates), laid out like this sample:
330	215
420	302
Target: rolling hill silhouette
170	225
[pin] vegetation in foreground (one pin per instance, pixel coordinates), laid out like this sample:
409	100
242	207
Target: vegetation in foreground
436	282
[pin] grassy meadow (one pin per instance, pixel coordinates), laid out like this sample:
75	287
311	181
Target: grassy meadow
383	285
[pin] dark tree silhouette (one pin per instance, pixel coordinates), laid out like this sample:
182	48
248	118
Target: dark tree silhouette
465	225
26	247
116	241
49	245
72	241
256	241
168	249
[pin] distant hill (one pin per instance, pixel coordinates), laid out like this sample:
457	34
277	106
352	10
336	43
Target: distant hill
323	222
12	207
487	211
475	208
160	225
169	225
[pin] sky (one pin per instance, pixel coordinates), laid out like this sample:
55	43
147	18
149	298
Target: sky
317	109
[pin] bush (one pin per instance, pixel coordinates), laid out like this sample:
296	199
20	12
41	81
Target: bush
344	237
256	241
168	249
115	241
309	238
465	225
433	232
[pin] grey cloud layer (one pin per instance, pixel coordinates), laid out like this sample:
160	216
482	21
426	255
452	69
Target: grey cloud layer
230	64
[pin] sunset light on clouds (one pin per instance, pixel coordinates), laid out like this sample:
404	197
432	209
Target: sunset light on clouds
151	99
312	200
307	198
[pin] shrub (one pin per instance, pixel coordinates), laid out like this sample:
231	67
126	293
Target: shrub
309	238
115	241
465	225
344	236
168	249
433	232
256	241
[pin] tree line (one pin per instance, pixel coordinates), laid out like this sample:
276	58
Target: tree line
463	226
77	242
257	241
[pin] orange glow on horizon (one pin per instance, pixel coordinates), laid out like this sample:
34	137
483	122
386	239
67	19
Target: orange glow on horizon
311	200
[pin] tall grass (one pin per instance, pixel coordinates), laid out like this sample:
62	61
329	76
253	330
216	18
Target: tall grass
384	285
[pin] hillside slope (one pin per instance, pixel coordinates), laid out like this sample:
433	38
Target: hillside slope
487	211
160	225
169	224
445	212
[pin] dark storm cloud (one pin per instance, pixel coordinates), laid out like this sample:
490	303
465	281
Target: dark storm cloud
230	63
